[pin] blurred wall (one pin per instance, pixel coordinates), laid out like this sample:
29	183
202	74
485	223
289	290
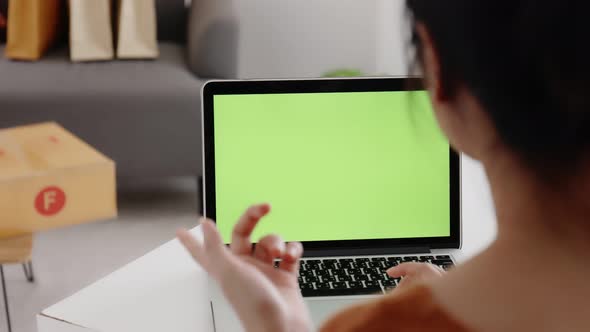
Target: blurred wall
307	38
392	37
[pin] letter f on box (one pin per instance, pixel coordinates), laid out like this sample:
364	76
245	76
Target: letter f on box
50	201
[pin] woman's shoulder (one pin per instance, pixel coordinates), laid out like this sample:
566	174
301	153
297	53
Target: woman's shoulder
410	309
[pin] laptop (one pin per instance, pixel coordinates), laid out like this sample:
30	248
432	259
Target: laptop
355	169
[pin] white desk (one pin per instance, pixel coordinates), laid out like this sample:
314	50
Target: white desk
165	290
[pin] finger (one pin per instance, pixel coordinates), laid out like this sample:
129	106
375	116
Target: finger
269	248
240	243
213	241
404	282
194	246
423	270
292	256
404	269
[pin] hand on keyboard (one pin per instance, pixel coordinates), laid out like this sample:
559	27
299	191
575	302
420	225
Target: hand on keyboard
265	297
414	272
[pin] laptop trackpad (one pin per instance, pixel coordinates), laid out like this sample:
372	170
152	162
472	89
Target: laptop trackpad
322	309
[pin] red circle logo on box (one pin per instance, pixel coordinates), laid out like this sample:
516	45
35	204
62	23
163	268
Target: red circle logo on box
50	201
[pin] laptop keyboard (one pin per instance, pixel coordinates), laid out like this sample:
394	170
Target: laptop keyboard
356	276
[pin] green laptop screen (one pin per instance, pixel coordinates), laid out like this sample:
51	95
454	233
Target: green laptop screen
333	166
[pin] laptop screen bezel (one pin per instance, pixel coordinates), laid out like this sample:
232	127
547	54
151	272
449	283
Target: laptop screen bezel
212	88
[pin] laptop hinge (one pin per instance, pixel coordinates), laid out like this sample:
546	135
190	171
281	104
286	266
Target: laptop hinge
364	251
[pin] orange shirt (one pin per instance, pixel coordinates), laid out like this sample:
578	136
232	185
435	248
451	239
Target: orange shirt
408	310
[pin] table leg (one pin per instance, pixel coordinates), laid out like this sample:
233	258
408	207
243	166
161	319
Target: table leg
5	298
28	269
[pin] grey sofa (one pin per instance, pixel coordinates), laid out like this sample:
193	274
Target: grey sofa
143	114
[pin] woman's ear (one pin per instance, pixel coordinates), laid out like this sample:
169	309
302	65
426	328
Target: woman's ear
445	108
459	114
430	64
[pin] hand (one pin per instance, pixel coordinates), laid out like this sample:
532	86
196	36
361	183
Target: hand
264	297
415	272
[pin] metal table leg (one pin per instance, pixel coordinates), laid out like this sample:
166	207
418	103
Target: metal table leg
28	269
5	298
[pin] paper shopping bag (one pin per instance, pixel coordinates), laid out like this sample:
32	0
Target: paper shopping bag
137	30
32	28
91	32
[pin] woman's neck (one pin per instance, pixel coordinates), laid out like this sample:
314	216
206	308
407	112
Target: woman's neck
534	214
535	275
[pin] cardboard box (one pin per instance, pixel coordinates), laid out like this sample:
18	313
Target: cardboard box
50	178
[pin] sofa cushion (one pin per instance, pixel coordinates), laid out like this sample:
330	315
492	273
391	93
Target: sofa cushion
172	18
56	76
143	114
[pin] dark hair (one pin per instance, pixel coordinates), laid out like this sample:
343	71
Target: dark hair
528	64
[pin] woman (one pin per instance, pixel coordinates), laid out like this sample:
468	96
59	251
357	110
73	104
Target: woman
509	82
